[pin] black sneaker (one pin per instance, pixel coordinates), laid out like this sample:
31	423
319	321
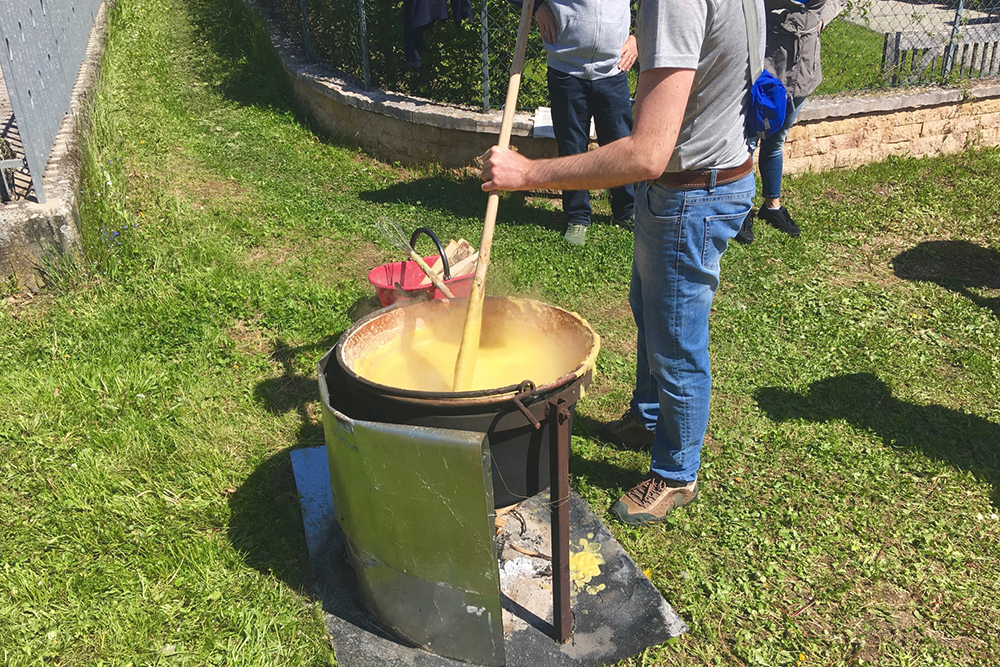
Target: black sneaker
745	235
779	219
627	432
625	223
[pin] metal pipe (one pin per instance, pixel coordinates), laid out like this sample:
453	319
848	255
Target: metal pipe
484	29
305	28
363	38
949	52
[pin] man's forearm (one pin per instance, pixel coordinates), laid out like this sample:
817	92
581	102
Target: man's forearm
611	165
660	103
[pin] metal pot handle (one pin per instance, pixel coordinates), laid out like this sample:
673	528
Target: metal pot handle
433	237
525	390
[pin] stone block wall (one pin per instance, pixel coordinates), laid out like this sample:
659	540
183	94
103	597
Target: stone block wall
409	130
830	133
942	126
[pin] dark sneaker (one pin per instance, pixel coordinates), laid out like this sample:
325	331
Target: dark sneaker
627	432
625	223
576	235
745	235
653	499
779	219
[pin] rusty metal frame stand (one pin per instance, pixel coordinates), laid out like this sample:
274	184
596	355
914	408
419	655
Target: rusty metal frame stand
561	416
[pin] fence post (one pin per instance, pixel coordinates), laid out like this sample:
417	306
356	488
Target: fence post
890	56
363	37
305	28
484	36
949	52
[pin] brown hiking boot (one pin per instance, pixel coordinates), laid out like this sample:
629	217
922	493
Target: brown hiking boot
653	499
627	432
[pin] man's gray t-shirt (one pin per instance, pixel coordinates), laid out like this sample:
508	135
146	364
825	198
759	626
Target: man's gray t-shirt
591	35
708	36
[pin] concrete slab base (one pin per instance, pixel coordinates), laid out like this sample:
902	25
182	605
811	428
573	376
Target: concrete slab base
617	612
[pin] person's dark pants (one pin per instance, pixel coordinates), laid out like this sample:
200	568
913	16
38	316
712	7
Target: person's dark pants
574	102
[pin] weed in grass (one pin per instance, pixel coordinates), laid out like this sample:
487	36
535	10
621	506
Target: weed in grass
10	285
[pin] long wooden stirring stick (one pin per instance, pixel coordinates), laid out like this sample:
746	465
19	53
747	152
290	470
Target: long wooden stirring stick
465	365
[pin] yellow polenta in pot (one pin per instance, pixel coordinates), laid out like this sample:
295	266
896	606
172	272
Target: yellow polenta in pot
521	340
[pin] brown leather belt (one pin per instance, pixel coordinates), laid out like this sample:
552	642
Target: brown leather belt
697	179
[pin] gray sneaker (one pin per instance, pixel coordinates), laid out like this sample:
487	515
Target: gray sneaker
576	235
652	499
627	432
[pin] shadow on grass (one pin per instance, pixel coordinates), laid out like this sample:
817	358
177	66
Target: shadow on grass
265	523
964	441
601	473
958	266
463	199
294	391
250	72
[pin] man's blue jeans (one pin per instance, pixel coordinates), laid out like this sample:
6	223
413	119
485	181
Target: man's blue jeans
771	160
680	236
574	101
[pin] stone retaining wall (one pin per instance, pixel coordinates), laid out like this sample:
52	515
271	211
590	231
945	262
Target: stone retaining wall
831	133
850	132
394	127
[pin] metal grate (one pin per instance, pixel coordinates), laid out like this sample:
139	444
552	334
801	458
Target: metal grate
15	182
43	43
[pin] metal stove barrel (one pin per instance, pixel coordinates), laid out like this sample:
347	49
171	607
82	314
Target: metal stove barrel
416	505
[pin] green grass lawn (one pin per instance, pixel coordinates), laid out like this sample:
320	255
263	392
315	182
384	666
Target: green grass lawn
852	58
851	478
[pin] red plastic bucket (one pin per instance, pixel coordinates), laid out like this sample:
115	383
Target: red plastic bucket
410	279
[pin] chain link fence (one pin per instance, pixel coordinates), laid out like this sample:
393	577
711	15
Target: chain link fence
881	44
871	45
466	64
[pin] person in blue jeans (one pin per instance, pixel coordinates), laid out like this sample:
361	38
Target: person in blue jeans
589	50
793	56
688	152
770	161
